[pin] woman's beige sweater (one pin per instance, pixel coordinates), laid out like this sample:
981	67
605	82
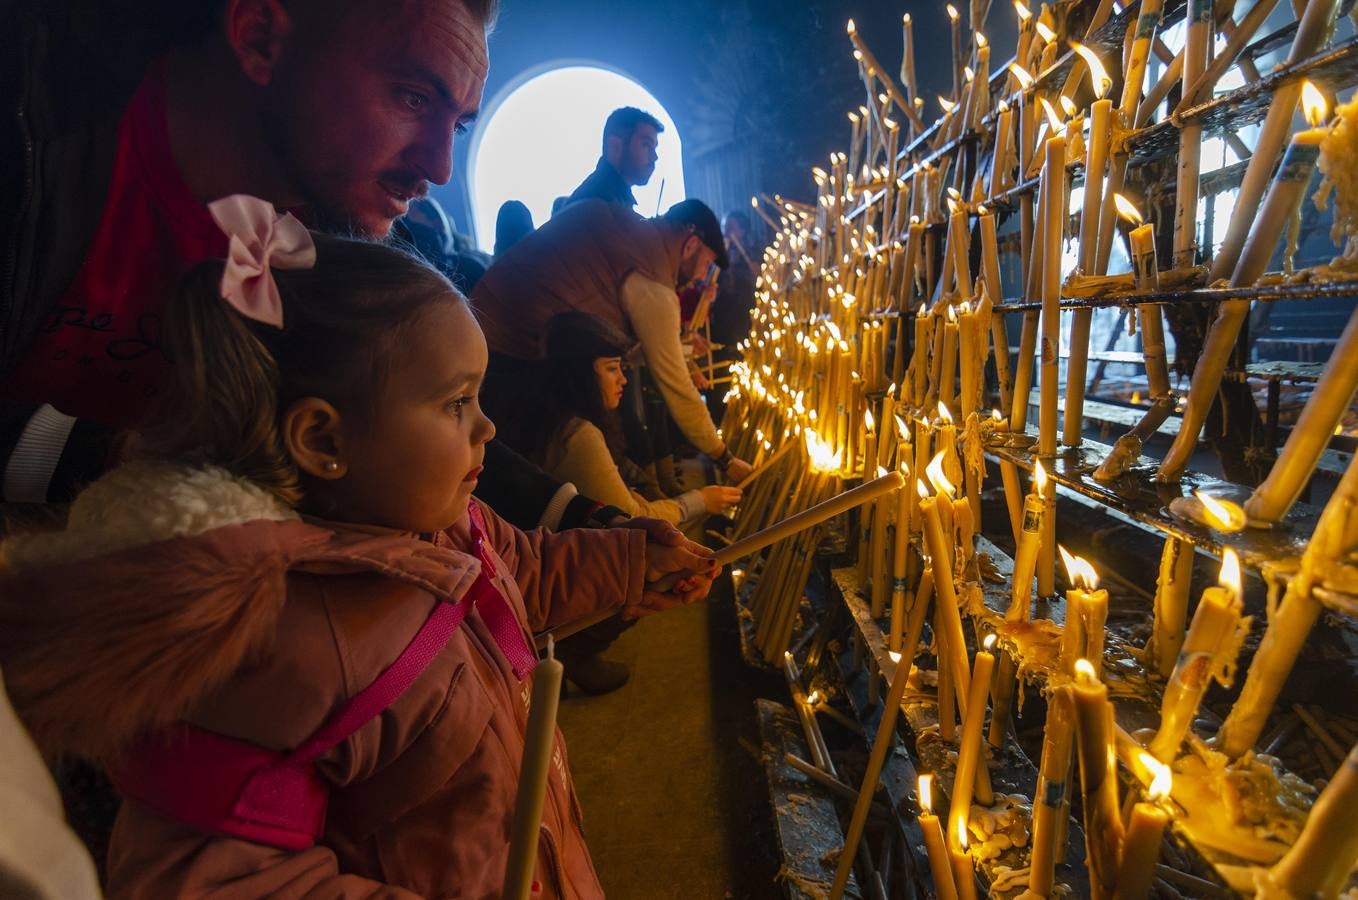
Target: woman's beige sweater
580	455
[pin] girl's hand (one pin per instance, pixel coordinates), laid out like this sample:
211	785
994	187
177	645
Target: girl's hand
669	553
718	497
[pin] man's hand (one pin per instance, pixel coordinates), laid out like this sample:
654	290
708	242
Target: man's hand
737	469
699	343
699	379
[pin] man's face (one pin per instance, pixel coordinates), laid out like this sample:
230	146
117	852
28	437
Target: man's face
363	110
639	156
694	260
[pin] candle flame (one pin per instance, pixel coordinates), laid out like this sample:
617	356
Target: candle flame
1098	75
1222	515
853	117
1229	577
1024	79
926	793
1313	103
952	206
1162	778
989	642
981	40
906	18
1040	477
1127	210
1081	574
1085	670
943	412
1045	33
952	12
868	421
1069	106
850	27
813	698
942	486
882	472
921	489
962	833
902	429
952	317
995	414
1024	13
1054	119
969	73
1002	106
823	458
948	105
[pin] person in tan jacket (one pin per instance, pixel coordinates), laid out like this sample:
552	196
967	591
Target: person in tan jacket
300	647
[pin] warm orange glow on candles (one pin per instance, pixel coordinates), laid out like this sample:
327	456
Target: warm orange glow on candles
1024	13
1313	105
938	479
1229	576
1222	515
1045	33
1054	120
952	12
1039	478
1127	210
948	105
1081	574
1024	79
1099	76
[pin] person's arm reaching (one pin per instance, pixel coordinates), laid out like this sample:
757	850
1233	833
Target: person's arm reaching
586	463
652	309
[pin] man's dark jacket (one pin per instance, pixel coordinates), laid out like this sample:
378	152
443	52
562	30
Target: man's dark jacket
604	183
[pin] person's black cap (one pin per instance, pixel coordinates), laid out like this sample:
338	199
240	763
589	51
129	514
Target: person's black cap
699	216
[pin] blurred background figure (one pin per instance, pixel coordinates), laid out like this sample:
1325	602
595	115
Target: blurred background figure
629	157
429	229
513	222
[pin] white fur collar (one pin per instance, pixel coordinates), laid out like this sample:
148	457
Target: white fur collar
143	503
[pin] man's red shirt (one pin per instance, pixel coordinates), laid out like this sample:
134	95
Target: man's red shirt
97	355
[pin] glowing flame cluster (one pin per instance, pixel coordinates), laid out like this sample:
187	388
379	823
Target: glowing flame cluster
1079	570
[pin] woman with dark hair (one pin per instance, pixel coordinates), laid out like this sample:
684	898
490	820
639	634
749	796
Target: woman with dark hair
576	435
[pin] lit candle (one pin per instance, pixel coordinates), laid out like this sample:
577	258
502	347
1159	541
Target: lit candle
1001	165
970	357
1096	158
1025	556
1284	197
953	17
1098	778
1145	835
919	363
908	59
947	376
949	617
994	291
1049	800
1053	228
538	742
963	872
1086	612
970	751
940	863
865	518
1209	651
1318	864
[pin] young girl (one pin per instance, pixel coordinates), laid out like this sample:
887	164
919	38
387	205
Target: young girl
574	434
300	647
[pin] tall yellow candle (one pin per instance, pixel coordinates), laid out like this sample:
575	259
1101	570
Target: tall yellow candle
940	863
1208	650
1098	779
970	751
1050	798
1025	556
1145	835
949	617
1086	612
1053	228
963	871
1319	863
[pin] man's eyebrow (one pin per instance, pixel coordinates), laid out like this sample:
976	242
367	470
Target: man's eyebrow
423	73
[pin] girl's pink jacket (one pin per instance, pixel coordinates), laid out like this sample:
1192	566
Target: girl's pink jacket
185	594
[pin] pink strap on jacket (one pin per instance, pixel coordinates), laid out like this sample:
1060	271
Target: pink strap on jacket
231	787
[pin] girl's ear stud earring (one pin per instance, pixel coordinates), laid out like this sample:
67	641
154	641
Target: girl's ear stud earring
331	466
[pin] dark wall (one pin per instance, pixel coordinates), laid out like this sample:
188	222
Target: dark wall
759	89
